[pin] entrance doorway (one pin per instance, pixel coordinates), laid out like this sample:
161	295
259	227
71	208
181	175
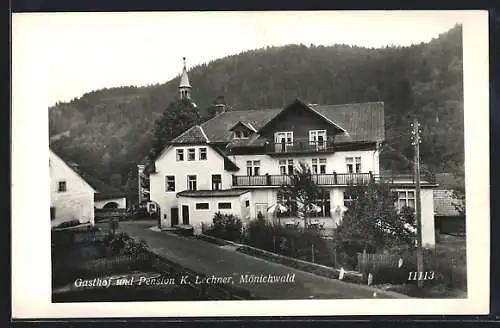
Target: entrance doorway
185	214
174	215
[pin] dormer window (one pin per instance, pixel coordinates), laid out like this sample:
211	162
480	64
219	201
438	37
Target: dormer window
241	134
242	130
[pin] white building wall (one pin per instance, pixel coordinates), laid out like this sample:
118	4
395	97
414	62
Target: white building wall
77	202
428	229
122	202
167	164
334	162
197	217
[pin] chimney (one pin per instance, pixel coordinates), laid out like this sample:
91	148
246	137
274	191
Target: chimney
220	105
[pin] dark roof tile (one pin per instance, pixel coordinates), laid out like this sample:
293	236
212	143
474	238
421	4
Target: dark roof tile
363	122
444	203
195	134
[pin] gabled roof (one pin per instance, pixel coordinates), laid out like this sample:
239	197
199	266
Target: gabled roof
71	167
195	134
218	129
249	126
444	203
306	107
364	122
103	190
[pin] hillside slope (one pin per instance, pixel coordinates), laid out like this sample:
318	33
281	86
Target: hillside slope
111	129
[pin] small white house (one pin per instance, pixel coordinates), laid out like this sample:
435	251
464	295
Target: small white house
71	197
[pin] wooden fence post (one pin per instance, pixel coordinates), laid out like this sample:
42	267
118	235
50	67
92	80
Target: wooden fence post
335	257
312	253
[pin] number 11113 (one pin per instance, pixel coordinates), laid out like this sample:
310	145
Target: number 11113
425	275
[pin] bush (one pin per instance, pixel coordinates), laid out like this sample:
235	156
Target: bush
122	243
288	241
260	233
226	226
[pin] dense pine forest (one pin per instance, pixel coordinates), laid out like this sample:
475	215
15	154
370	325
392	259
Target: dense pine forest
111	130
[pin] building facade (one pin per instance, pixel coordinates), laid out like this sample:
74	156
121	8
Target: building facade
237	161
71	197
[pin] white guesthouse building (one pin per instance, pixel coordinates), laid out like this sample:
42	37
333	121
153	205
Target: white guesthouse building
237	161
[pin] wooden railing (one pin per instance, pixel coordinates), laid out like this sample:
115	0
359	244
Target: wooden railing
320	179
326	179
300	145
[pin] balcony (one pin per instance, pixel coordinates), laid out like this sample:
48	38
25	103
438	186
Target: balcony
300	145
335	179
320	179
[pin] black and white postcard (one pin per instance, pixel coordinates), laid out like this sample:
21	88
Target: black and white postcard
250	163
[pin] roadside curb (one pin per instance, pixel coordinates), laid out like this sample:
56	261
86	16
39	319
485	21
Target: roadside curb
350	277
321	270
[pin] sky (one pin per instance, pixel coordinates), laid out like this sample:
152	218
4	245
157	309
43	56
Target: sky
82	52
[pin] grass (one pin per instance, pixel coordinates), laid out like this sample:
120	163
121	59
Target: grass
452	248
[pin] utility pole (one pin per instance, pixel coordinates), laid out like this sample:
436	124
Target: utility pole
416	143
140	173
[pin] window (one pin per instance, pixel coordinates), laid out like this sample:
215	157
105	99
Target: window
286	166
317	138
322	165
247	203
241	134
318	163
406	198
358	164
216	182
202	206
180	155
323	202
61	186
169	183
253	167
224	206
349	164
52	213
283	140
203	154
191	154
191	182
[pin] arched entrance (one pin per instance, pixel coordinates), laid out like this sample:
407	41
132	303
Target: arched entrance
111	205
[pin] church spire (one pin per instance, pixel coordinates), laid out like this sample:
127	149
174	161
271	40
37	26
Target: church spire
184	85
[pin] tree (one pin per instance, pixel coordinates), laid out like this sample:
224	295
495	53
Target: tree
301	192
176	118
372	220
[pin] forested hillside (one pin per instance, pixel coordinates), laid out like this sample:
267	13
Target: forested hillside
112	129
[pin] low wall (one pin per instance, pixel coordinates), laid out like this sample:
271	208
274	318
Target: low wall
321	270
102	214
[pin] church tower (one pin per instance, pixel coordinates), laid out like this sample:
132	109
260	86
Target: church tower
184	86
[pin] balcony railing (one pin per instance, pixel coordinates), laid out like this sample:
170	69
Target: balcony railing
326	179
300	146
